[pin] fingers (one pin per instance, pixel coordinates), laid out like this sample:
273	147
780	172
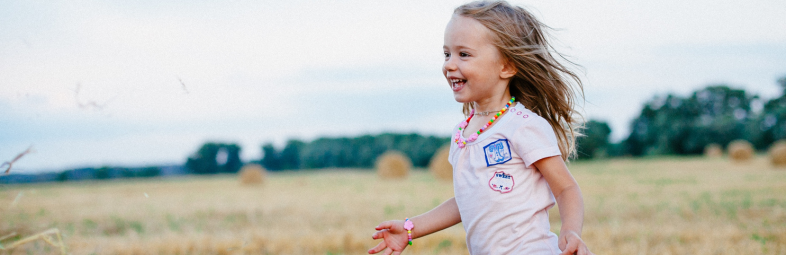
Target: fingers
379	234
571	248
381	246
576	246
396	253
388	251
384	225
562	243
584	251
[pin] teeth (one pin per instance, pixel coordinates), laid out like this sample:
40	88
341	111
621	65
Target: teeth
454	82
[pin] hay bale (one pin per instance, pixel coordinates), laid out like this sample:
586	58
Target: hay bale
777	153
439	165
713	150
393	165
252	174
740	150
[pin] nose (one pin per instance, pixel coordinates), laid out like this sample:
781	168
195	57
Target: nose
449	65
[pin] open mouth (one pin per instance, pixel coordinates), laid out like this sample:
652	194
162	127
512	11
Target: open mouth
457	84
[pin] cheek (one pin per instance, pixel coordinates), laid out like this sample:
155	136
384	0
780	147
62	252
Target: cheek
488	72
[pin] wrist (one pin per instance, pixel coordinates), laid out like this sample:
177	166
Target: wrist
408	226
567	234
418	227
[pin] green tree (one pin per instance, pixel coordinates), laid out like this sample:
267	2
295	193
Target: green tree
360	152
62	176
290	155
270	159
127	172
102	173
214	158
233	162
595	141
771	123
151	171
677	125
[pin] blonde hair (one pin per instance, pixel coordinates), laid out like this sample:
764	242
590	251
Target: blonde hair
542	84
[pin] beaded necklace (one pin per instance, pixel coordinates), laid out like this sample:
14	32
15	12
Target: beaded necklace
458	139
483	113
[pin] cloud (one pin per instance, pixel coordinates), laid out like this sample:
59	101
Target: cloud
269	71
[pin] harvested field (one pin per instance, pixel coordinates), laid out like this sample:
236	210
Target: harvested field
673	205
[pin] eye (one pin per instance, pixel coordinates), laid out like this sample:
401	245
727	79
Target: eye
464	54
447	55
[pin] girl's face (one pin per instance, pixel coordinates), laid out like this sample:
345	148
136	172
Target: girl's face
474	67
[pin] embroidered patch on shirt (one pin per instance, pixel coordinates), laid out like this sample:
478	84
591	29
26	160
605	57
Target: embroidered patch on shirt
501	182
497	152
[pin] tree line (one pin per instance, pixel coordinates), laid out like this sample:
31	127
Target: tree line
355	152
667	125
717	114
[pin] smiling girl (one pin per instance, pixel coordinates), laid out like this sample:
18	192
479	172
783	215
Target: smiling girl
509	155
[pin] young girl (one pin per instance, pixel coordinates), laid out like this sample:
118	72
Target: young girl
509	155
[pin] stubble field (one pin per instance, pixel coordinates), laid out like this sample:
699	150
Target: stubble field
642	206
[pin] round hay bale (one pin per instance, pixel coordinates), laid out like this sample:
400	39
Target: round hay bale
439	165
740	150
713	150
777	153
393	165
252	174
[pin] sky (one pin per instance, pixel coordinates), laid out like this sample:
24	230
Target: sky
91	83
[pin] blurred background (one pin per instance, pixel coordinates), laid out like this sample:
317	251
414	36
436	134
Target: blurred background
135	89
148	82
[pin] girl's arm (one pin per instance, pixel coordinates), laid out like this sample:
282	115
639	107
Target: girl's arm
570	201
395	237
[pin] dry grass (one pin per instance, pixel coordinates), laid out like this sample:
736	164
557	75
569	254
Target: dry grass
10	163
393	165
252	174
51	236
713	150
740	150
777	154
646	206
439	165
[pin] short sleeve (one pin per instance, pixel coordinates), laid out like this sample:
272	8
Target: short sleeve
535	140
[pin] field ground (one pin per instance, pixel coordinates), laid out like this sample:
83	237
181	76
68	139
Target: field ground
642	206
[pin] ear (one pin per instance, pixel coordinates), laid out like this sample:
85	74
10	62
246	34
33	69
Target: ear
508	70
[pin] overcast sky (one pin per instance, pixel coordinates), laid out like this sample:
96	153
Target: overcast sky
90	83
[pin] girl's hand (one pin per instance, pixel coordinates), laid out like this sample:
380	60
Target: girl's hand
572	244
394	235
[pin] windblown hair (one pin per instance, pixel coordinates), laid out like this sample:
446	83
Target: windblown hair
542	84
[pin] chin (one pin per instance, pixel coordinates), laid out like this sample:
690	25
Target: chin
460	98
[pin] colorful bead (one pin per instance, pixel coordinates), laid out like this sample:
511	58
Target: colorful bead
462	142
409	226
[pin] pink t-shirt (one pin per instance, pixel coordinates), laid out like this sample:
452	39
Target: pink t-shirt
502	198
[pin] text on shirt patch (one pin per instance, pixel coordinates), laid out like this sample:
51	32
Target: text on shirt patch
497	152
501	182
